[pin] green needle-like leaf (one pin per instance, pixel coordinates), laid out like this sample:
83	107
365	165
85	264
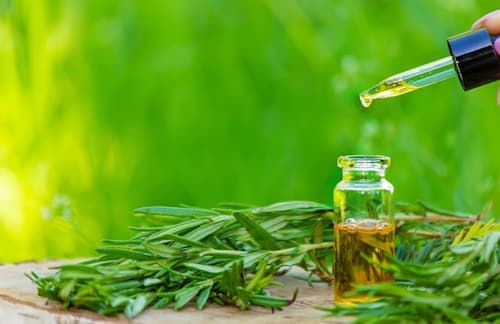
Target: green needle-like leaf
184	240
259	234
173	211
137	305
204	268
162	250
203	298
184	296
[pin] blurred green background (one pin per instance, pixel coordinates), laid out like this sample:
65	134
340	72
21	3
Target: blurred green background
110	105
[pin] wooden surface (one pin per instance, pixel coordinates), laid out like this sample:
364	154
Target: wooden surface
19	303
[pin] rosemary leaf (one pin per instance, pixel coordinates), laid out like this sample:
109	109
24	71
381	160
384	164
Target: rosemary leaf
258	233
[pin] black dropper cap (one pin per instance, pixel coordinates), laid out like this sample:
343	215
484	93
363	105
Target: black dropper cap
476	60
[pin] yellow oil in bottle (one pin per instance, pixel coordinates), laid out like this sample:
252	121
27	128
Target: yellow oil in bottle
374	239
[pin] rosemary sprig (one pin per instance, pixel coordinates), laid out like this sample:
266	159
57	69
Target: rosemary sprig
227	255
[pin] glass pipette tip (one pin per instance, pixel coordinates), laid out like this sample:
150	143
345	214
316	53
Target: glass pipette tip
410	80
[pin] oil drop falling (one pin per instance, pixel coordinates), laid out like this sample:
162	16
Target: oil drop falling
365	99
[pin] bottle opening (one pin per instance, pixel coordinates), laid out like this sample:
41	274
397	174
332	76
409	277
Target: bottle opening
364	162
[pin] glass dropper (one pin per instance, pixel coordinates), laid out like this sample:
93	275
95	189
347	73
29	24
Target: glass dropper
410	80
475	59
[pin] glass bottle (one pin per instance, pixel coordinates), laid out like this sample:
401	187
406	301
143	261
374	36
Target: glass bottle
363	223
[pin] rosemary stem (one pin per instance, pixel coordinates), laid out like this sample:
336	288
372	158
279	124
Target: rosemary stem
435	218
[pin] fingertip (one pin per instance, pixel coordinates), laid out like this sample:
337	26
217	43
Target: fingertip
478	24
483	21
492	23
498	97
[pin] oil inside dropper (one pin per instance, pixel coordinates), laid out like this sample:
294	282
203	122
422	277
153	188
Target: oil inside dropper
410	80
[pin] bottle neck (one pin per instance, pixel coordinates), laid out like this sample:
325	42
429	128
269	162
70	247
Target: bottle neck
363	174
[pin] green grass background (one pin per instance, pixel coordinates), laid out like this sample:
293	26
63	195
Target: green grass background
110	105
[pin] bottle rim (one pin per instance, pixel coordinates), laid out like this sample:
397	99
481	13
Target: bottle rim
364	161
